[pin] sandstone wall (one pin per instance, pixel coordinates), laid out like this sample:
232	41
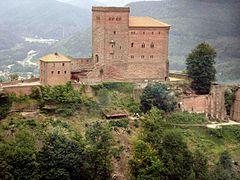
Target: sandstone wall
194	104
55	73
236	107
148	53
19	90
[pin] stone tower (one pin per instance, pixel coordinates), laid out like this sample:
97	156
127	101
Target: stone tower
110	41
55	69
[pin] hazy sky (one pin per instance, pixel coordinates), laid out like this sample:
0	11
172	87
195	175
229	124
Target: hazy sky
117	2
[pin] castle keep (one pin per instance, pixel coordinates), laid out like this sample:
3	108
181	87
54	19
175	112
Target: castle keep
124	48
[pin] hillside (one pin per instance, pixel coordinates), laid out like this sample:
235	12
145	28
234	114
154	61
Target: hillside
71	138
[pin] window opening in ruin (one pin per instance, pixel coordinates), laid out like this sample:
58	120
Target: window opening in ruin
114	32
58	72
65	72
151	57
52	72
142	57
112	46
228	100
143	45
143	32
110	19
97	58
159	32
132	44
132	57
152	45
120	47
63	64
152	33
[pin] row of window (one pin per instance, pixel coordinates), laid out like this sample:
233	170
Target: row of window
142	57
133	32
143	45
59	72
63	64
115	18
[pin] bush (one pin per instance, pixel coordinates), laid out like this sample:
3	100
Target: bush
119	123
186	118
218	133
123	87
158	95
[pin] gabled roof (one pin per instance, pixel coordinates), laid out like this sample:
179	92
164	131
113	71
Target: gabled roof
146	22
56	57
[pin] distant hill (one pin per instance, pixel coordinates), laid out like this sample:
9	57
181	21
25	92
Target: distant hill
43	18
86	4
193	21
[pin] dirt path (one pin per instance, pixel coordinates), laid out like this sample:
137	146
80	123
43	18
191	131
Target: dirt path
218	125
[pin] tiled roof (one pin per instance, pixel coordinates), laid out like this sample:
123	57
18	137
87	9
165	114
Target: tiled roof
146	22
55	58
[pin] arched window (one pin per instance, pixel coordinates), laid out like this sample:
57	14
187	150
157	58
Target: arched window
143	45
97	58
132	44
152	45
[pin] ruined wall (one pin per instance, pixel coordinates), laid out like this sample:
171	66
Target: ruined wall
194	104
148	53
236	106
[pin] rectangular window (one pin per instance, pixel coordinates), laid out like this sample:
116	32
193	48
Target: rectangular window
58	72
151	57
132	57
52	72
65	72
142	57
63	64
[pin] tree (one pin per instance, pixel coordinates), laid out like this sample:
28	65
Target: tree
99	152
61	158
224	169
200	166
176	157
158	95
5	105
200	67
14	77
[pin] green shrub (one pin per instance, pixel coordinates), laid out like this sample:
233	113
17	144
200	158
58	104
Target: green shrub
119	123
186	118
123	87
218	133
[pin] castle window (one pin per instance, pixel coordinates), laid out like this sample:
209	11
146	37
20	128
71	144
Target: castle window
132	57
142	57
112	46
65	72
58	72
159	32
120	18
52	72
152	33
120	47
151	57
114	32
132	44
63	64
113	18
110	19
143	32
143	45
152	45
132	32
